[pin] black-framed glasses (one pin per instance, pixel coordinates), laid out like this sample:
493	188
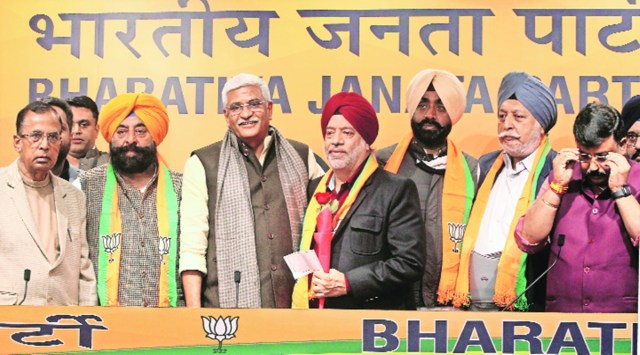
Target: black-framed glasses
599	157
632	138
35	137
253	105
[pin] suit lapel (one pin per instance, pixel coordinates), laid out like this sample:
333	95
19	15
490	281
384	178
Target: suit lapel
361	197
59	195
18	197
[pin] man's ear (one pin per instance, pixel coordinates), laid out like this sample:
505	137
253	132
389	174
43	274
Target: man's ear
622	146
17	143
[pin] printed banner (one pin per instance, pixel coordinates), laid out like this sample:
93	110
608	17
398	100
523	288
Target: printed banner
269	331
183	51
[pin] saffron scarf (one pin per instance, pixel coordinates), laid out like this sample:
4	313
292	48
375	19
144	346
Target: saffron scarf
458	192
301	291
110	229
510	280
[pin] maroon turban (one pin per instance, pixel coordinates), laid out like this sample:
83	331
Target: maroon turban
355	109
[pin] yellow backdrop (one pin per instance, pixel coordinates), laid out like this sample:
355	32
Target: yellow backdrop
182	51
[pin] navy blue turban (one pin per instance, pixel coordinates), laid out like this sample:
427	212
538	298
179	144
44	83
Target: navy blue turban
631	112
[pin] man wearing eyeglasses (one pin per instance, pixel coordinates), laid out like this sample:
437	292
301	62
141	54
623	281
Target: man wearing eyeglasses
631	118
591	198
446	177
132	207
242	206
43	254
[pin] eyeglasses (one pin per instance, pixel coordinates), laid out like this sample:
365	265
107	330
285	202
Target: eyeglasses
35	137
599	157
632	138
253	105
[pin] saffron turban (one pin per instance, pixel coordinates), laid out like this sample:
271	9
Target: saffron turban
146	107
356	110
631	112
446	85
532	94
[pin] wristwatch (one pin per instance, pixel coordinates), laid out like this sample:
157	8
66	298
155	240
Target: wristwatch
624	191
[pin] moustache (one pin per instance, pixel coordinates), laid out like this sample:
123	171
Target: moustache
128	148
597	173
431	122
506	134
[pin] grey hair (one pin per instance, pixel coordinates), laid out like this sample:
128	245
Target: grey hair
242	80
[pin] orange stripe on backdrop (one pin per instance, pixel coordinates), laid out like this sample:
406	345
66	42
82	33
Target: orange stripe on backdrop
145	328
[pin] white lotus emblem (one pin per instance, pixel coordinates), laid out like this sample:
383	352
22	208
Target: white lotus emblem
111	243
164	243
456	232
220	329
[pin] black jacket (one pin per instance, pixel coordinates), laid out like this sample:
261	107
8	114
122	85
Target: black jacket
380	245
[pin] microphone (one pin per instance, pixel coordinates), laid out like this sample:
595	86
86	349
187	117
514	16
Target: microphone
560	244
236	279
26	277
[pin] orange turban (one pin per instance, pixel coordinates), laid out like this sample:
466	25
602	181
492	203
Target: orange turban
447	86
147	107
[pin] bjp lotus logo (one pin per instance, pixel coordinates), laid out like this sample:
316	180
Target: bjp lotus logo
456	232
111	243
220	329
164	243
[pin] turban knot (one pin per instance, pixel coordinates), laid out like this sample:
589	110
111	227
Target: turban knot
356	110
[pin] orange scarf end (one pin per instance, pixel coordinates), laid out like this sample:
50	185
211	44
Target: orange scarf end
461	300
445	296
503	299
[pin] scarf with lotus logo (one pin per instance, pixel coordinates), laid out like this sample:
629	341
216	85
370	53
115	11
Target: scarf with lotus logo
301	291
458	192
110	230
510	280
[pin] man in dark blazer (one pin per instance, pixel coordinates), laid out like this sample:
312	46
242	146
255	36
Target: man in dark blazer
366	219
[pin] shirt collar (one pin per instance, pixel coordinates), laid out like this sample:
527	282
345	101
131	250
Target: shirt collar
268	140
523	165
331	182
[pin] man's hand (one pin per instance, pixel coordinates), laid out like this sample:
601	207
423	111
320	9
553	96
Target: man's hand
618	170
563	165
330	284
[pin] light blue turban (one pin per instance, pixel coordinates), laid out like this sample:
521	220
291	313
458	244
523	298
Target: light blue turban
532	94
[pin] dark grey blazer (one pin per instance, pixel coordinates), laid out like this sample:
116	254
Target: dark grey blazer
380	245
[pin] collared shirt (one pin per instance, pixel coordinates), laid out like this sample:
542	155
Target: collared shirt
499	212
140	259
597	269
93	158
346	186
141	262
69	172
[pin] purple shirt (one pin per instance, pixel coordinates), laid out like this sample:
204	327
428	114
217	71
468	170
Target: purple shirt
598	267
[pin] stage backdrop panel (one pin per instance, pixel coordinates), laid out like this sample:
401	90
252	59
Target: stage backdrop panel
183	51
